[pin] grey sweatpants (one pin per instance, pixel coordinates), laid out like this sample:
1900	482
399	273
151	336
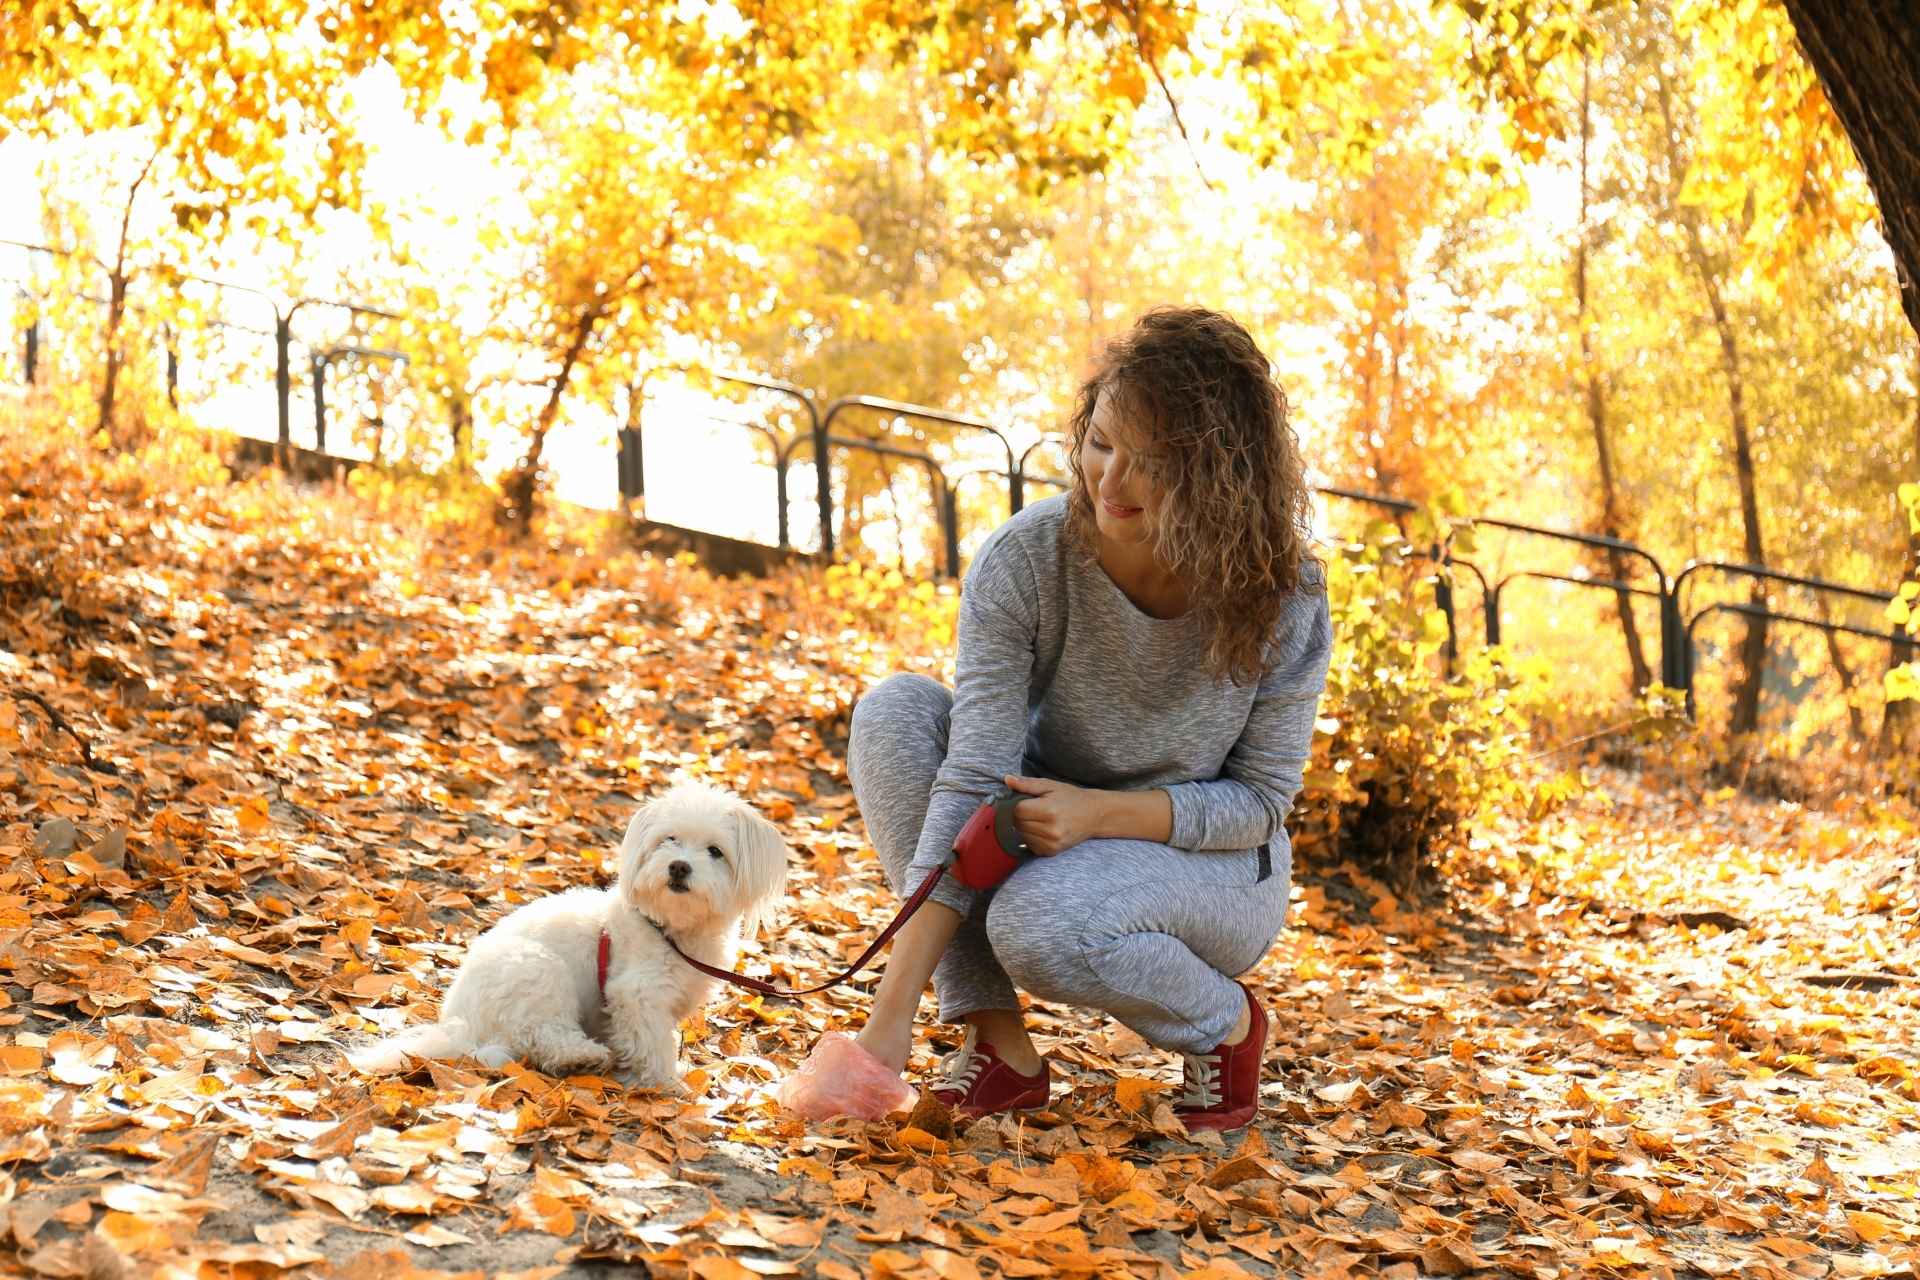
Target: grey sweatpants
1146	932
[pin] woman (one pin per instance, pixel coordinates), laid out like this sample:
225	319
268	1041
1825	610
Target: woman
1142	657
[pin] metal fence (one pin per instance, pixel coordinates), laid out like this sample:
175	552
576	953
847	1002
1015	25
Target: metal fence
1678	617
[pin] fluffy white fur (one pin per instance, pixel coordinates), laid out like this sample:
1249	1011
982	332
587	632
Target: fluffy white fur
529	986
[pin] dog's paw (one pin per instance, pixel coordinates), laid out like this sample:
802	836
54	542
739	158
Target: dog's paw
669	1086
579	1062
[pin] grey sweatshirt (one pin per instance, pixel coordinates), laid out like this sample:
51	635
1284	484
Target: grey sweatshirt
1059	675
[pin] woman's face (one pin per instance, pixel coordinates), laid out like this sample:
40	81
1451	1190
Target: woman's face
1122	495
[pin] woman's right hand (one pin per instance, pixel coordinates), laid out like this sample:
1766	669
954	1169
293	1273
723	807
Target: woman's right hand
1056	816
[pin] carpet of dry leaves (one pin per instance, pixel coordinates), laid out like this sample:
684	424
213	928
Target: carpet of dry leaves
304	754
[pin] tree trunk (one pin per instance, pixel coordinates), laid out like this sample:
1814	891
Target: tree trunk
1856	722
1867	55
460	414
117	302
1610	522
518	491
116	308
1753	651
1896	723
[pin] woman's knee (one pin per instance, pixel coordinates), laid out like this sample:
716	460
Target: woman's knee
1066	938
1038	943
900	712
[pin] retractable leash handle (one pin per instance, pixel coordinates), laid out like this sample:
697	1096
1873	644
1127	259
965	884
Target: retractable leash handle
989	847
985	852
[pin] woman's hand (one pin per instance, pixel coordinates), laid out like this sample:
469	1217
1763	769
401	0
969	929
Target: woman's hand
1058	816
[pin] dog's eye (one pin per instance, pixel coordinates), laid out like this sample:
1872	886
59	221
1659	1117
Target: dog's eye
716	851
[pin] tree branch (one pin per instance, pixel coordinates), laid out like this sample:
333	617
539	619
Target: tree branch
60	725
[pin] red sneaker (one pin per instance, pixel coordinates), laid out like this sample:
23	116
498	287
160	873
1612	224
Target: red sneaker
978	1083
1223	1084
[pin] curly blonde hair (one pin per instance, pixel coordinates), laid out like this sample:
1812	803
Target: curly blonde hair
1234	517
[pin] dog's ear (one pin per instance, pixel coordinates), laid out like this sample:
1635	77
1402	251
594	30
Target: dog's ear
762	855
641	832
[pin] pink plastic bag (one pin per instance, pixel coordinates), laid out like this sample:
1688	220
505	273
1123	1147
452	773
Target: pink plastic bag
839	1078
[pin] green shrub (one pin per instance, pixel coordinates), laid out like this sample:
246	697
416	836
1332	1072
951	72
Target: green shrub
1407	755
1903	611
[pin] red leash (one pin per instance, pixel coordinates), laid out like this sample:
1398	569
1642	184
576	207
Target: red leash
765	988
985	852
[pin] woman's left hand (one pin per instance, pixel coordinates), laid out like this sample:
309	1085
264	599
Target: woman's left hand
1058	816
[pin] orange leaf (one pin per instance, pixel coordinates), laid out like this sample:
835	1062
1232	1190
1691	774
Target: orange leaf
537	1212
1870	1227
179	917
20	1059
1132	1093
252	816
1479	1161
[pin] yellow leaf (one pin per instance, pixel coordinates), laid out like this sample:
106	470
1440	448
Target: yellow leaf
409	1197
805	1166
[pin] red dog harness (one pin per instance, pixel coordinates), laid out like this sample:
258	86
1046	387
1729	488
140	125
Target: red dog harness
985	852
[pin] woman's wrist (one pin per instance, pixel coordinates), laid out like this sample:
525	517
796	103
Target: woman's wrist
1135	815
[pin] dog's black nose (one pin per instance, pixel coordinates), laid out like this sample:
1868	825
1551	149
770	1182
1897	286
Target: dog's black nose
678	870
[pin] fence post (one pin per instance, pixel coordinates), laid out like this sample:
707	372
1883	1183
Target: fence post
319	402
822	463
1443	597
283	371
633	475
950	508
33	349
780	493
823	480
1675	671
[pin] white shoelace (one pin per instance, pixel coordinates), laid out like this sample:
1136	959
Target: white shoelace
1203	1080
963	1065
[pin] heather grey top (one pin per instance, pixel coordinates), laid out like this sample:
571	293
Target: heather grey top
1060	675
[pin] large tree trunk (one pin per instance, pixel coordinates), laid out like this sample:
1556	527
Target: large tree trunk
1610	522
1867	55
1896	724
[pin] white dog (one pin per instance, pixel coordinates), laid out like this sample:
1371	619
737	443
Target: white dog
698	865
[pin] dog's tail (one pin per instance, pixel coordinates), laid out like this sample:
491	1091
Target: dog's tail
448	1039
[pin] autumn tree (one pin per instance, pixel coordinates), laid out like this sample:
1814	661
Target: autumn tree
216	113
1807	91
1393	210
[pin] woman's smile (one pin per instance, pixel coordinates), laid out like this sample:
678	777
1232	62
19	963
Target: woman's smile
1119	512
